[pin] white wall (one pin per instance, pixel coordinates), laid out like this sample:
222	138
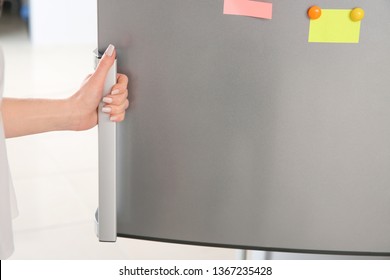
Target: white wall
63	22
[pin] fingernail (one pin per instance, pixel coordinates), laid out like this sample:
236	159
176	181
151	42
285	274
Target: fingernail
110	50
107	100
113	118
115	91
106	110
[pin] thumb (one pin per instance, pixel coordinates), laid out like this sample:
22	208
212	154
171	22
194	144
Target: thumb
104	65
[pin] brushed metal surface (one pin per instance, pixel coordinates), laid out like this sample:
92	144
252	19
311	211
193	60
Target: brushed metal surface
106	213
244	134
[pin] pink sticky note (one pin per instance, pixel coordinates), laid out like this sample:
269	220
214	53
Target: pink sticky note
248	8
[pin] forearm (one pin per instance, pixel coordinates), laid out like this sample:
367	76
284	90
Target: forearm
31	116
78	112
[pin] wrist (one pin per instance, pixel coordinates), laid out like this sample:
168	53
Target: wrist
79	116
72	116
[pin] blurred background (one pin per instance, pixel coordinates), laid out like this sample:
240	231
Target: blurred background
48	47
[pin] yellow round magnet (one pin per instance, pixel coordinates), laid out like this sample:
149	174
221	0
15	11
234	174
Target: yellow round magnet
357	14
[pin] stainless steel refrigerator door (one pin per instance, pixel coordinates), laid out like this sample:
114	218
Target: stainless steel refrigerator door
245	135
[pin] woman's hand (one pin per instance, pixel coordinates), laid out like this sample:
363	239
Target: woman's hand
86	100
78	112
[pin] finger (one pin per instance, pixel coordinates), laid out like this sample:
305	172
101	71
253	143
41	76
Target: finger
115	110
105	64
122	78
121	85
117	118
116	99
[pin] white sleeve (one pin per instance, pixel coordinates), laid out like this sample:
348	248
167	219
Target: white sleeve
8	209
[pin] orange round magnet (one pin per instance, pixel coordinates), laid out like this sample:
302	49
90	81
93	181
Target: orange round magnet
357	14
314	12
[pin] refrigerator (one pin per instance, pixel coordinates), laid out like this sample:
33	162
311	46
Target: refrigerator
261	125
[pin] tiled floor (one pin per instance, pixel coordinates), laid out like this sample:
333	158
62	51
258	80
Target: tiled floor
55	174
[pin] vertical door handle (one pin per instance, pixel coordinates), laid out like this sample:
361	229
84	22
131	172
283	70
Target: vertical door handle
106	213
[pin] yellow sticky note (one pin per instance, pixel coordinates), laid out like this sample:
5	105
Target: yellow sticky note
334	26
